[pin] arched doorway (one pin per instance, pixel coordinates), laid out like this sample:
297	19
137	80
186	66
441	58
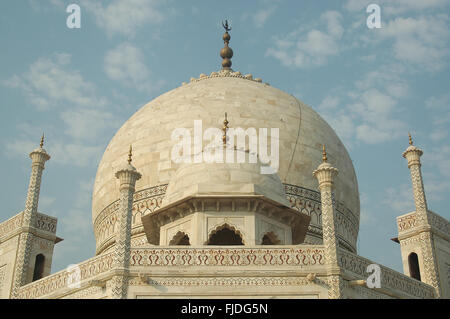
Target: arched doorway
225	236
270	239
413	262
39	263
180	239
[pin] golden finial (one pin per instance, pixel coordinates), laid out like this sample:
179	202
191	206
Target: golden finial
226	53
410	139
130	155
224	129
324	154
42	141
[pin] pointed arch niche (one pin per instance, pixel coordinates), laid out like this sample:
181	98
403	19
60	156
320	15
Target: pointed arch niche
270	238
225	235
180	239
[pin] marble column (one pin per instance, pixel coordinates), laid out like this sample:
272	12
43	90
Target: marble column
325	174
22	274
128	175
431	273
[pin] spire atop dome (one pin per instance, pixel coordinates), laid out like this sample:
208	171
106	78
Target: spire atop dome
224	129
410	139
130	155
42	141
226	53
324	154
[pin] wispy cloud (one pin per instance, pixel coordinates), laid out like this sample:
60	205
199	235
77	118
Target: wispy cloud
125	17
423	41
313	49
395	7
83	123
260	16
399	199
369	112
51	83
126	64
439	106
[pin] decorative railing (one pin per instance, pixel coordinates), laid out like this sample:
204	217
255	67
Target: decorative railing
46	223
43	222
11	224
60	280
167	257
390	279
409	221
406	222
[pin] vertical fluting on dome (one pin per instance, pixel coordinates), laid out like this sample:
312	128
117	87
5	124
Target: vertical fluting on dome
226	53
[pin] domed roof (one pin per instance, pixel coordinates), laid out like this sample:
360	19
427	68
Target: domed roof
224	179
249	103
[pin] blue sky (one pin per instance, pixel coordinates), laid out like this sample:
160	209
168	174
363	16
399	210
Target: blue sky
80	85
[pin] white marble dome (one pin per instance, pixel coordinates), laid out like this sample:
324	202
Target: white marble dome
248	103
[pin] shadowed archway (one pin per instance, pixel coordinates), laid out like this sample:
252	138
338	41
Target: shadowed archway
225	235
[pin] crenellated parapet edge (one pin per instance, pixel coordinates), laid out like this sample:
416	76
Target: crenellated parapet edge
393	283
276	256
64	282
407	224
302	199
225	73
93	274
13	226
159	266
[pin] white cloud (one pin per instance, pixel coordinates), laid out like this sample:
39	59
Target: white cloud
125	64
77	221
260	17
46	204
313	49
366	215
395	7
75	154
439	102
64	153
87	123
370	112
400	199
376	111
439	107
329	102
125	17
400	6
19	147
421	41
50	82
